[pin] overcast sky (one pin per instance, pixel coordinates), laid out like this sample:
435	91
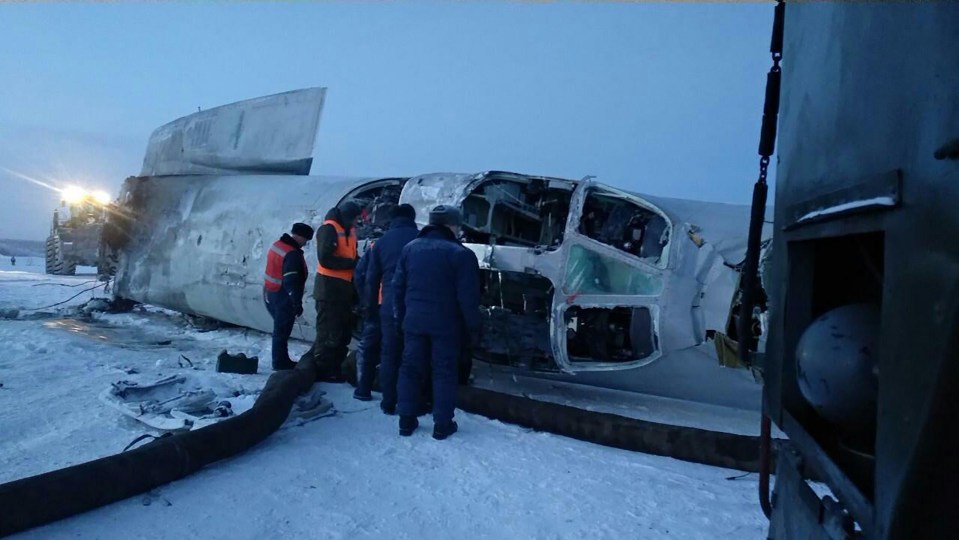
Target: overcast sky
664	99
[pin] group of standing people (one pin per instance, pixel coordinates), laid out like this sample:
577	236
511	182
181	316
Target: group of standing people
418	292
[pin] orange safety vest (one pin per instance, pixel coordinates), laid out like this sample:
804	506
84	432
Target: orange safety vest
273	278
345	248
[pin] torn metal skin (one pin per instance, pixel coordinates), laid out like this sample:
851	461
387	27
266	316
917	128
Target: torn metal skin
686	282
581	281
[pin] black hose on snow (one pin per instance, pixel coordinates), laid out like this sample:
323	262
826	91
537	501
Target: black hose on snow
714	448
45	498
48	497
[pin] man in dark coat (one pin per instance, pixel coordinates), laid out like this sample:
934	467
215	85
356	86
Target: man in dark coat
437	297
378	298
333	291
368	355
283	284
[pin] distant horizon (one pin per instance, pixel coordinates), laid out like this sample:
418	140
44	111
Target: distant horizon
6	250
664	99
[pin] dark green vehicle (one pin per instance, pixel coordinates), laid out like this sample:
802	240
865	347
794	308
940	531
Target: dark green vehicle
861	366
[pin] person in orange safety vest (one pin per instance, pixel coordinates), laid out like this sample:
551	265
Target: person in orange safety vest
283	284
333	291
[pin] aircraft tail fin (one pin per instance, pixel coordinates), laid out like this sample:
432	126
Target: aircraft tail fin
266	135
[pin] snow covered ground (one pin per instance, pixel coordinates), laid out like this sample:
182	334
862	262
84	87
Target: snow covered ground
345	476
36	265
25	264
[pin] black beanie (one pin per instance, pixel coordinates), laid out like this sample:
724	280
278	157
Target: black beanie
302	229
348	211
446	215
404	211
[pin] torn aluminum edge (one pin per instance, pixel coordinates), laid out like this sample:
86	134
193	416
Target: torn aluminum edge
686	270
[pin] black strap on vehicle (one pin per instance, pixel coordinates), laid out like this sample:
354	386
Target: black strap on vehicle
750	277
767	144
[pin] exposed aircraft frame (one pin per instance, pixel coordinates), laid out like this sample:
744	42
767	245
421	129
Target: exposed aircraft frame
578	276
680	290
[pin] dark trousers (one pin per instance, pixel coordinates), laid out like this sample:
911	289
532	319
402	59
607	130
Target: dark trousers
283	319
333	336
390	355
334	321
435	354
369	353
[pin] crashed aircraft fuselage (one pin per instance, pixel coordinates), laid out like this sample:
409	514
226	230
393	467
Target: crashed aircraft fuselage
580	281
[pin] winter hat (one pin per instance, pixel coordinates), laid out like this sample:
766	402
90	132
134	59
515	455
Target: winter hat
349	211
404	211
446	215
302	229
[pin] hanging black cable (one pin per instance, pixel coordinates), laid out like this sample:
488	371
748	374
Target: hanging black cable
767	144
750	277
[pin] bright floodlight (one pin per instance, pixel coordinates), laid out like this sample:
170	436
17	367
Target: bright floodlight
101	197
73	194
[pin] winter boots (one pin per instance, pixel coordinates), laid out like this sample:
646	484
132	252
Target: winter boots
408	425
444	430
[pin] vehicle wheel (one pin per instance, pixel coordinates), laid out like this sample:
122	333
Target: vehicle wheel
54	259
51	253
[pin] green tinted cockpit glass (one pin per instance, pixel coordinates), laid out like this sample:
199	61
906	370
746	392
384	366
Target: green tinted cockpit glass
589	272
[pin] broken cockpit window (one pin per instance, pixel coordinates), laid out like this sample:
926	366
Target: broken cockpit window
515	310
604	335
589	272
519	211
376	202
625	225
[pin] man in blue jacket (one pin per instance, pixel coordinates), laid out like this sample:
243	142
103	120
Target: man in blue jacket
377	298
283	285
437	295
368	355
